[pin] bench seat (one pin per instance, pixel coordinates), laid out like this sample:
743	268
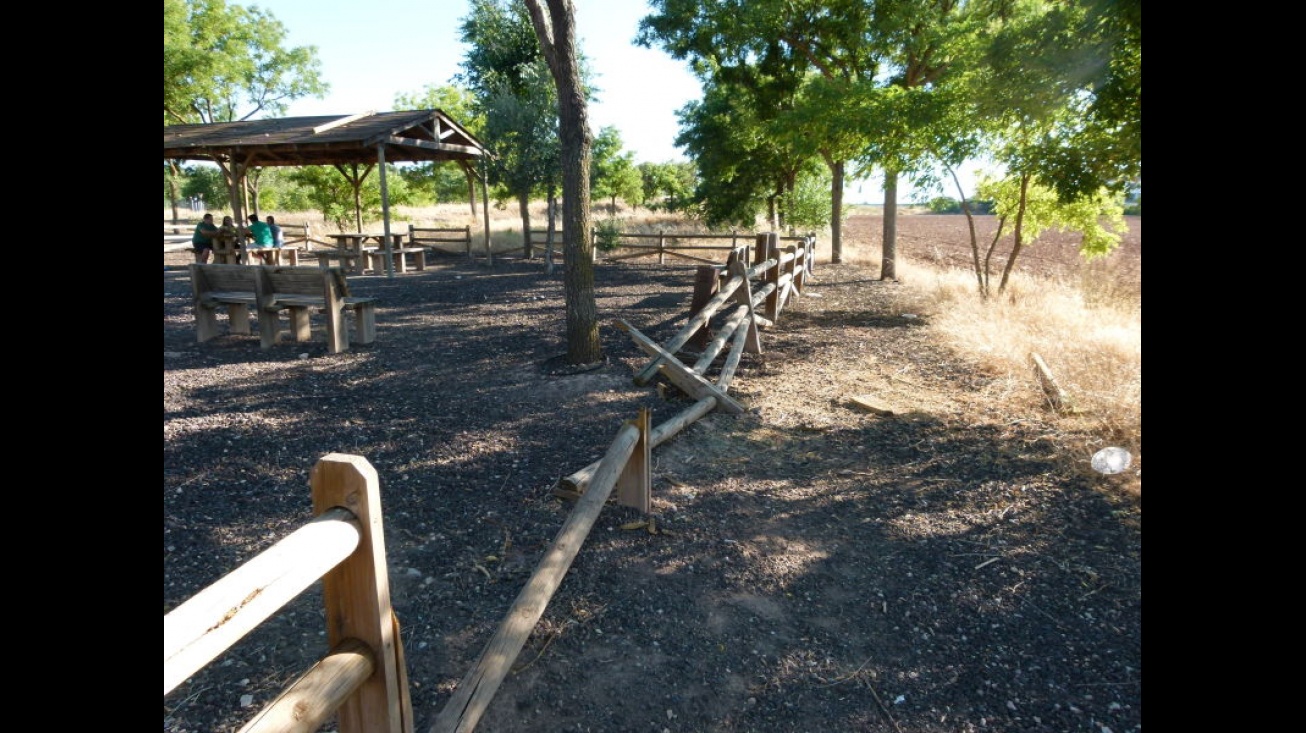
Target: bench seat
297	290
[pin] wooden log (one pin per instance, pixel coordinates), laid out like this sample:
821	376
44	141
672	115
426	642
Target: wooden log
754	342
577	482
474	693
307	703
690	383
214	619
695	322
732	360
718	342
1055	396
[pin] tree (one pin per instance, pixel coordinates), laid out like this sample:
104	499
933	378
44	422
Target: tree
555	28
226	62
515	94
1033	208
614	173
668	185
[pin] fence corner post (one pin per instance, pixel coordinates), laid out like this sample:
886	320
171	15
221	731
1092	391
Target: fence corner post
356	594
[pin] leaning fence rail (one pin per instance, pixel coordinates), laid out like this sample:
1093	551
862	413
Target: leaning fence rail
362	679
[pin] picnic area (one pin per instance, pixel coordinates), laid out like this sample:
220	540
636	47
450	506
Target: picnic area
926	566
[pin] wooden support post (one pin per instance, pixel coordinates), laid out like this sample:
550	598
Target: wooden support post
754	339
662	248
634	485
473	694
772	311
356	594
695	321
571	487
706	283
760	248
690	383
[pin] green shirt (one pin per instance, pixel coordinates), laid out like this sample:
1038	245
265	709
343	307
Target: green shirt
204	232
261	233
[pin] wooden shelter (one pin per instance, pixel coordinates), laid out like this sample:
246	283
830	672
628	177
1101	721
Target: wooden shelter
366	140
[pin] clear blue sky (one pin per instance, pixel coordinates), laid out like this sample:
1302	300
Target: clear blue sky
375	50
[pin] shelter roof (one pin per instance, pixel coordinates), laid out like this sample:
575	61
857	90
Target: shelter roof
413	135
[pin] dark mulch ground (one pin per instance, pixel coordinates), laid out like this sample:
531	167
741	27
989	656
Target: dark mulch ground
944	568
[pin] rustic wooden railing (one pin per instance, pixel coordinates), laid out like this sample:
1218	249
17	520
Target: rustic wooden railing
626	465
362	679
435	239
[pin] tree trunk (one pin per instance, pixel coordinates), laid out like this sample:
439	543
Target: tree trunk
1017	234
889	255
524	207
551	203
174	169
836	210
556	32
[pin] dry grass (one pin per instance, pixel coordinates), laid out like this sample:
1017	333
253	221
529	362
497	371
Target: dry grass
1090	328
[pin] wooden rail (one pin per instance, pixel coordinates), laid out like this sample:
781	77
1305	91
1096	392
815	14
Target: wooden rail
362	678
434	238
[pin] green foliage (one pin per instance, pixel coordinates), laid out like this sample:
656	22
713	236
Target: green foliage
227	62
325	189
1099	216
206	181
613	174
807	206
949	205
667	186
606	234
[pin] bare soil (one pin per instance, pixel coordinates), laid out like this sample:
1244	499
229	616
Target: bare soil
939	567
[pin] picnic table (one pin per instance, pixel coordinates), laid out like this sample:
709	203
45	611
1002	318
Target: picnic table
353	246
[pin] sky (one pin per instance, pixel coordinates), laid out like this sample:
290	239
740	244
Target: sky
372	51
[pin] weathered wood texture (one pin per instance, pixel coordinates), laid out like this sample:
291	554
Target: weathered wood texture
473	694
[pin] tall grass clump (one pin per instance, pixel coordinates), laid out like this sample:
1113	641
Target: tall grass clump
1090	341
1087	328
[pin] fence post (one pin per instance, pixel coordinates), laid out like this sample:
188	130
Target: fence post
662	248
768	245
759	248
356	594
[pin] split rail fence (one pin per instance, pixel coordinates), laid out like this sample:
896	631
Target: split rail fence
364	677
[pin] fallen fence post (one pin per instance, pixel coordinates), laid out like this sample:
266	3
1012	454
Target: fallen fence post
695	322
690	383
474	693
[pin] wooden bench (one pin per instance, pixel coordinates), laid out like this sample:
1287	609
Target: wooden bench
271	290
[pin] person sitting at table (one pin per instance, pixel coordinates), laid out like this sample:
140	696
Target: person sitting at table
261	233
278	239
202	240
228	231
